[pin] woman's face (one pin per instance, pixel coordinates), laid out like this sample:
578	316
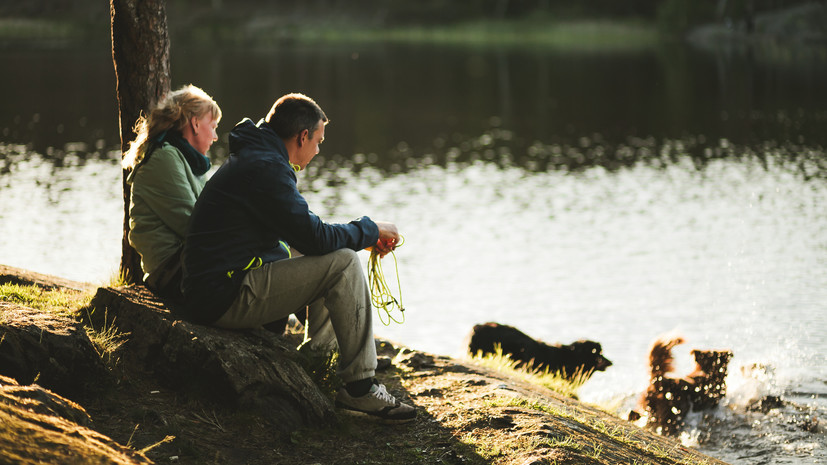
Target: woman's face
203	132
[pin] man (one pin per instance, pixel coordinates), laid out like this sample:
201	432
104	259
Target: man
238	270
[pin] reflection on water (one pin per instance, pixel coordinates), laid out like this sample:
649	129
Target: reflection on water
64	220
604	197
389	102
730	252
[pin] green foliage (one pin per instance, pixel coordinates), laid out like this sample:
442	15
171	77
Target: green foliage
585	35
25	28
321	367
678	16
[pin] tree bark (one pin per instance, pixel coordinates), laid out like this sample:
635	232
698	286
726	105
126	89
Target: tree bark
254	369
140	53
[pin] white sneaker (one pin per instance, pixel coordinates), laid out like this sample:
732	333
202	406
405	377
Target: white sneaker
378	402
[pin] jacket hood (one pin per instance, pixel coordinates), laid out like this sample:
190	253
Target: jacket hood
247	136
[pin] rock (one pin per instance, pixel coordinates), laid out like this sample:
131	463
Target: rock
253	369
765	404
38	426
50	349
10	274
38	400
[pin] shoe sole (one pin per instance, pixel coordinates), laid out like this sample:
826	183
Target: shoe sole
386	420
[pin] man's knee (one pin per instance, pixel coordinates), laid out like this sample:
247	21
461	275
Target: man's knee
346	256
347	262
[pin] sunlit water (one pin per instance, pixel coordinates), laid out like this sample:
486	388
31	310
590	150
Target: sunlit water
64	220
730	254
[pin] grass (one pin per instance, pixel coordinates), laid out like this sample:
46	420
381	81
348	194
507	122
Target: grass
627	436
120	278
70	304
61	302
106	339
40	29
321	367
498	361
582	35
462	419
541	30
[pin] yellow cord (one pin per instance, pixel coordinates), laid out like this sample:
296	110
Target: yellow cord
380	294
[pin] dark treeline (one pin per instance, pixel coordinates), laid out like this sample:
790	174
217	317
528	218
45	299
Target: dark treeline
390	12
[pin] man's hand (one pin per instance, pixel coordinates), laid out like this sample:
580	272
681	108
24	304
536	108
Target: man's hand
388	238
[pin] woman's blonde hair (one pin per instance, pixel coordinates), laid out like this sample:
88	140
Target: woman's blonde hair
173	112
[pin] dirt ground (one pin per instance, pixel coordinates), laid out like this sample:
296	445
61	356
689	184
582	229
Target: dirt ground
467	414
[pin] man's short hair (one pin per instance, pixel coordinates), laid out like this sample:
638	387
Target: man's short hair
293	113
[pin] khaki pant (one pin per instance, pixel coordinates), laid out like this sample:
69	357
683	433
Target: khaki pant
334	289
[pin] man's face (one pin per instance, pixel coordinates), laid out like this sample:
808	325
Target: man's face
309	147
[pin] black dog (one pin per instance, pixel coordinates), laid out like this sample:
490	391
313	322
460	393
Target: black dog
578	360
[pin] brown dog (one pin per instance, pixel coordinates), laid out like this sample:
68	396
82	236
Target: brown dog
668	399
577	360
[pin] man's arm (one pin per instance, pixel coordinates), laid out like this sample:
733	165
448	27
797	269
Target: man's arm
285	212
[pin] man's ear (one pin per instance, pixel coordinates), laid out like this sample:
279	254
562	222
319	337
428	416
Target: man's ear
302	136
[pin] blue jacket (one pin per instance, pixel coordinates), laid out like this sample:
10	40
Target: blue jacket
246	215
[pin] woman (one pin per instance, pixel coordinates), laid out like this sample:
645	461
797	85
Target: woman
167	164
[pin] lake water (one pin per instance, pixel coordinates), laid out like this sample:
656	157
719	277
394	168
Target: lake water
614	197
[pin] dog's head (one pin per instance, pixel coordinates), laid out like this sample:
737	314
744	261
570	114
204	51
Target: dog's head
712	362
590	355
660	354
709	377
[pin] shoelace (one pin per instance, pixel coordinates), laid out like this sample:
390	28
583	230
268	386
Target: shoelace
382	394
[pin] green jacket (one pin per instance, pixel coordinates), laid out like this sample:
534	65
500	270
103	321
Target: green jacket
164	190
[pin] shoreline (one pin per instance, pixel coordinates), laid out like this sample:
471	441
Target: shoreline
468	414
244	27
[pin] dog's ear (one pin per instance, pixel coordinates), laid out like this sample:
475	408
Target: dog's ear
712	361
712	355
584	345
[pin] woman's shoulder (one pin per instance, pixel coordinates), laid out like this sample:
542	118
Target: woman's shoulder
166	154
164	158
162	163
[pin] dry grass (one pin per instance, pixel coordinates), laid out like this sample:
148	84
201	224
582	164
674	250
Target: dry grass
106	339
555	382
68	303
477	412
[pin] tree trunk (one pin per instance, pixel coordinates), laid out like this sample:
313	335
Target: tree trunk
255	370
140	52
